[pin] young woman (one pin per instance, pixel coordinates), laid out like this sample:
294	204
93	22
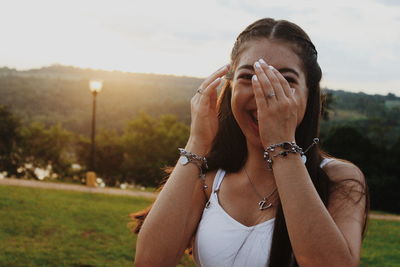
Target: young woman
259	203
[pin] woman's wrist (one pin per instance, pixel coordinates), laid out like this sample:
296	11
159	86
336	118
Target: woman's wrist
196	147
278	141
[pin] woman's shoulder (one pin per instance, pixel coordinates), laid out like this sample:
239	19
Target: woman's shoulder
340	169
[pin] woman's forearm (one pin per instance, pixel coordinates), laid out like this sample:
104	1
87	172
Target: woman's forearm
165	229
176	212
315	238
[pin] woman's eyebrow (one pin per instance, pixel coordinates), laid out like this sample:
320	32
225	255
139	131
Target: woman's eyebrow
247	67
289	70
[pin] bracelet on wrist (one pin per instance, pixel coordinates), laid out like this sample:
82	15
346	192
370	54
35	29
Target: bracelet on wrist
289	147
200	161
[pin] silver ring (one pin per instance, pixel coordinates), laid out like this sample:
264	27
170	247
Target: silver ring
271	95
200	91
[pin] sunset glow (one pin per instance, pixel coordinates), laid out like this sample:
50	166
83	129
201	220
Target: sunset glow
356	40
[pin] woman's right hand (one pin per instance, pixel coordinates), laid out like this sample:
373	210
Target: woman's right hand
204	123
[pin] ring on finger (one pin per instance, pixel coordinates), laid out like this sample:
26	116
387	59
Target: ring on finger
271	95
200	91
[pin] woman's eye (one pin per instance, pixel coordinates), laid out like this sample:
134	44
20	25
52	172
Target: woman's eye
245	76
290	80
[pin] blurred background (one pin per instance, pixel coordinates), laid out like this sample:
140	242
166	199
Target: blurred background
103	88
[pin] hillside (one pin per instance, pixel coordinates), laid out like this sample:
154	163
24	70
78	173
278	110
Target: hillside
60	94
362	128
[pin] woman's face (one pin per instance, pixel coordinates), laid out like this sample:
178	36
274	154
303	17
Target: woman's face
277	54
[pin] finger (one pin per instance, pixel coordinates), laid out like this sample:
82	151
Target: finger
203	88
274	80
265	83
196	97
284	83
208	96
219	73
259	96
213	95
212	87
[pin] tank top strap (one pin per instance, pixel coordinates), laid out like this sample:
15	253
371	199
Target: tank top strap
219	176
325	161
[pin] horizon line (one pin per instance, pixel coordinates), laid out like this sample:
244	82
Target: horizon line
154	73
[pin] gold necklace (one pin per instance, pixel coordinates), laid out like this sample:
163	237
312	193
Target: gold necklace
264	203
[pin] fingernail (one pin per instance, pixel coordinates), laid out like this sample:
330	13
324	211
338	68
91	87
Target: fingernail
262	61
255	78
257	64
271	67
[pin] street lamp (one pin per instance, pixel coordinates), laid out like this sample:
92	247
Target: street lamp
95	87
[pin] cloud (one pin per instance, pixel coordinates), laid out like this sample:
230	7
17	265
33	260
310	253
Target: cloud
389	2
357	40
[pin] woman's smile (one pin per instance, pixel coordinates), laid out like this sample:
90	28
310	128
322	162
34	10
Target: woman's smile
243	101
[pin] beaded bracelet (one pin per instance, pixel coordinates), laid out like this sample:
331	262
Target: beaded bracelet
199	161
290	147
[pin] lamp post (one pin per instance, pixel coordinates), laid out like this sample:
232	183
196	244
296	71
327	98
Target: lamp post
95	88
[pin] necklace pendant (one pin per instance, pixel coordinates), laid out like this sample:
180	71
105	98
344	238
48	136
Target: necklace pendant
264	205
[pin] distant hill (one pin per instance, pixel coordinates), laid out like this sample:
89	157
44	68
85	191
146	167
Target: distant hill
60	94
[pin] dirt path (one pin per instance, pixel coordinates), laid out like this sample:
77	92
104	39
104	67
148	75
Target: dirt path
385	217
73	187
115	191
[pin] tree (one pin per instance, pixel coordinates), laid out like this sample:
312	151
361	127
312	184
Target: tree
348	143
391	96
374	160
9	139
389	197
150	146
328	101
109	157
45	148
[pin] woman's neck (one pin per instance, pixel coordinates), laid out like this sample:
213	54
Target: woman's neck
257	169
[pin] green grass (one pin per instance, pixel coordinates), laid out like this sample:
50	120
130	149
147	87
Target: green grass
381	246
40	227
379	212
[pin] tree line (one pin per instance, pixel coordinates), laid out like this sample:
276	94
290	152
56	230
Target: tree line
147	145
45	129
60	94
137	155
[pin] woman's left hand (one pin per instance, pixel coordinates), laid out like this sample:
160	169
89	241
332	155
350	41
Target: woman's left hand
276	105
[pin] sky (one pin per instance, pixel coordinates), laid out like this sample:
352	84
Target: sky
358	41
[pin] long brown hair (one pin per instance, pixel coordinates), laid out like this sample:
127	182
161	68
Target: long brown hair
229	150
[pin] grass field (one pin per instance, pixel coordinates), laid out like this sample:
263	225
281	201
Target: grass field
40	227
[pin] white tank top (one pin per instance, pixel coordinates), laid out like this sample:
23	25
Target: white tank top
222	241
